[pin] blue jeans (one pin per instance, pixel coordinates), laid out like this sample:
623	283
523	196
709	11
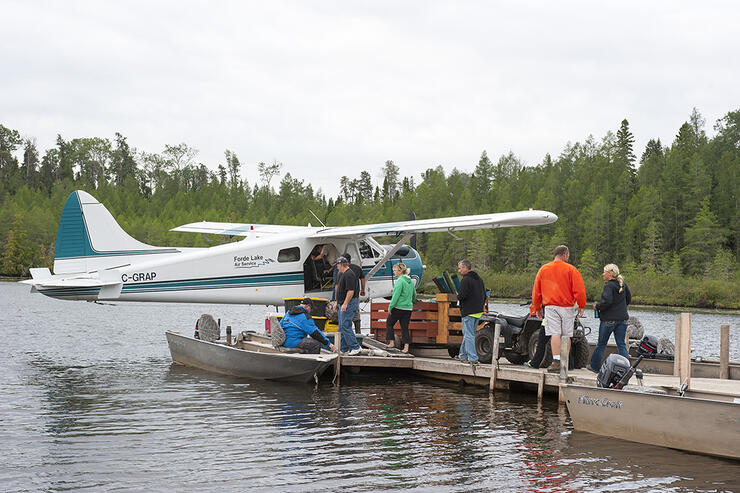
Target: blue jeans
349	341
467	348
606	327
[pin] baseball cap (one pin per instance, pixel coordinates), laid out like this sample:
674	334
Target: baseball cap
342	260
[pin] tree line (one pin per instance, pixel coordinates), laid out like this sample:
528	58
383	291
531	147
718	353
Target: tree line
671	214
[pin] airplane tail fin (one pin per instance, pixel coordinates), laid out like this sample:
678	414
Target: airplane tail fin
89	238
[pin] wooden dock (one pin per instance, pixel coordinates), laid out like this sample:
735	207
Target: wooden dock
507	374
502	374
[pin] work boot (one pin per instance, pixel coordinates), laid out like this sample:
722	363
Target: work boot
554	367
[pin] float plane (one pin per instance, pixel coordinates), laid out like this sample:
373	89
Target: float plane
95	259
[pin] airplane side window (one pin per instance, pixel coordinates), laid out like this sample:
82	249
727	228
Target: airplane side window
289	254
365	250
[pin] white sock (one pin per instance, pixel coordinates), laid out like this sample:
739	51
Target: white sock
556	357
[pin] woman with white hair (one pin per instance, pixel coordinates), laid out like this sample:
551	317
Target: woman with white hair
612	311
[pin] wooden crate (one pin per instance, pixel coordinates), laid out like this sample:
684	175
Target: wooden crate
431	321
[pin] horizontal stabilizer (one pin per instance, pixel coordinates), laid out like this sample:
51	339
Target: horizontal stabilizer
40	273
74	283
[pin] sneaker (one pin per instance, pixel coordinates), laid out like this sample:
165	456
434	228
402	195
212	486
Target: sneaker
354	352
474	363
591	369
527	364
554	367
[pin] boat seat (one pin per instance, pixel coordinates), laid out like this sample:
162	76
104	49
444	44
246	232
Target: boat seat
515	321
284	349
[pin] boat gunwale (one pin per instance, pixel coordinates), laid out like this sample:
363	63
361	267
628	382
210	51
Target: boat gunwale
323	357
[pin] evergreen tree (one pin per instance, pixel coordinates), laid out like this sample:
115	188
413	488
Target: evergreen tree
18	255
365	187
9	142
703	239
390	181
123	165
589	266
651	250
233	166
723	266
625	143
482	178
30	162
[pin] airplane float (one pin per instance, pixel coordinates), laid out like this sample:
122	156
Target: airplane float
95	259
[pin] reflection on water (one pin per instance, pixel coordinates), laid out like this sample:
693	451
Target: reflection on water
90	400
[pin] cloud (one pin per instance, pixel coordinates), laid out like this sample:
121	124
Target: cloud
331	88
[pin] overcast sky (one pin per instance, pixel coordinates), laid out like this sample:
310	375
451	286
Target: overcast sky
334	88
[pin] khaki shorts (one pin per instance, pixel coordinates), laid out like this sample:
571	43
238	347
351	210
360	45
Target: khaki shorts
559	320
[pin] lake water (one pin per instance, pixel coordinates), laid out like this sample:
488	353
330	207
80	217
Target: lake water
90	400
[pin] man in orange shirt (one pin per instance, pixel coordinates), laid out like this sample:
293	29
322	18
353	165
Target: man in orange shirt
558	291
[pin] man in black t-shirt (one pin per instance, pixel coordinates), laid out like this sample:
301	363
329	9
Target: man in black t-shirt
347	298
361	276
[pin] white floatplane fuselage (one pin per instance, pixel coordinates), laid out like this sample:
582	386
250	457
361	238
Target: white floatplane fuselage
95	259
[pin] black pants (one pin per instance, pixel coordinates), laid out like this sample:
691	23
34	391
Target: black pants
396	315
542	341
309	345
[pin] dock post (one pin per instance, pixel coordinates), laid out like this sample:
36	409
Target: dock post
338	361
683	350
564	354
677	342
443	317
541	387
724	351
494	357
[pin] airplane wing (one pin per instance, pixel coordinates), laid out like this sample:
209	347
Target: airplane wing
460	223
240	229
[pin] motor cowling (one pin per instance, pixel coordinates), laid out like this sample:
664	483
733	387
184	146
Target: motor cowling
612	370
648	346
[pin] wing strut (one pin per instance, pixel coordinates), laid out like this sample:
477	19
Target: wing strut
388	255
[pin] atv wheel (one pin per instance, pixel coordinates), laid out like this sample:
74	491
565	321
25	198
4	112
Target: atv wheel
484	344
579	352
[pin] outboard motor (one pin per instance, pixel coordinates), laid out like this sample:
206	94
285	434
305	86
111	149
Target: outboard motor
613	372
648	347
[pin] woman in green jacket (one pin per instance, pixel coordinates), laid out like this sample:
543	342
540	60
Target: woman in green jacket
402	303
